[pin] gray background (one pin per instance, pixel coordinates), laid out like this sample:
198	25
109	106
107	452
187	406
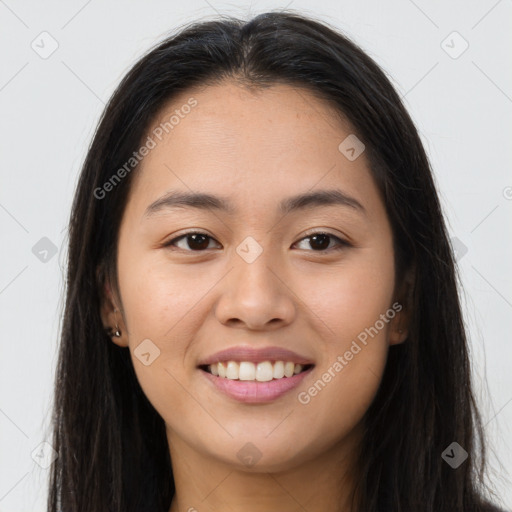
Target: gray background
460	102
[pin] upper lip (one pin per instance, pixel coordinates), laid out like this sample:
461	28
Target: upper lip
255	355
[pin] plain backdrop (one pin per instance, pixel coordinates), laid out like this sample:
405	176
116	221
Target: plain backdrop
450	61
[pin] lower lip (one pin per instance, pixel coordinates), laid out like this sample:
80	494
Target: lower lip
253	391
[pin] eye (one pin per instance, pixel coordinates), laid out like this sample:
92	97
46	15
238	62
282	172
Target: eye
320	239
195	240
198	242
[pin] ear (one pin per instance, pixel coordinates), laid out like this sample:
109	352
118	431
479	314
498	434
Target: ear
402	305
111	316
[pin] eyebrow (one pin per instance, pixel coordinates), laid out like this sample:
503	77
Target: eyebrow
204	201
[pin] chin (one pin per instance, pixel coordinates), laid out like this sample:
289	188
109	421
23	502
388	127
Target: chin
262	455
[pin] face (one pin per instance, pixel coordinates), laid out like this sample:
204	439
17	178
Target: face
264	276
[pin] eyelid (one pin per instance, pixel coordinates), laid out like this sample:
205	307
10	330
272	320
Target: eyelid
320	231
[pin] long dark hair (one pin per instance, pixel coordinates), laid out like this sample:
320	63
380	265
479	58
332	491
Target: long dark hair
112	447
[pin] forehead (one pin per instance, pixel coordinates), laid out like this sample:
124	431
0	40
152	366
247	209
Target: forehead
257	122
252	146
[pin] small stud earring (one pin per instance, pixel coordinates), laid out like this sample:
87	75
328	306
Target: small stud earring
117	332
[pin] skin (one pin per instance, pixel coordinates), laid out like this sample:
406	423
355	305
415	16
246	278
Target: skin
257	148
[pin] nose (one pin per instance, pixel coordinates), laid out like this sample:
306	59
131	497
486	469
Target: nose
255	296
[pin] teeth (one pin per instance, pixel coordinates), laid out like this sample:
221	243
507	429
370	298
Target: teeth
261	372
278	370
232	370
264	371
288	369
246	371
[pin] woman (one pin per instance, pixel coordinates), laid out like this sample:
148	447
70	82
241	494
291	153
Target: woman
262	308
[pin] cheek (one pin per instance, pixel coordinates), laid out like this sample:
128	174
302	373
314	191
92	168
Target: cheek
351	297
335	403
159	298
354	306
159	307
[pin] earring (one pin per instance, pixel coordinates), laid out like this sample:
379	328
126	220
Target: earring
117	332
110	332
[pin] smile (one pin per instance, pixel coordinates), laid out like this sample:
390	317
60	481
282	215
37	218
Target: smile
250	382
264	371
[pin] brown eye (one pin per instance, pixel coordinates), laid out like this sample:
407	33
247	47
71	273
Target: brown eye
199	242
195	242
320	242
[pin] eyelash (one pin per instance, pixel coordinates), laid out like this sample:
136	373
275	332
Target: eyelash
342	244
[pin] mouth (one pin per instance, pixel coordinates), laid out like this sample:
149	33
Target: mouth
264	371
255	382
